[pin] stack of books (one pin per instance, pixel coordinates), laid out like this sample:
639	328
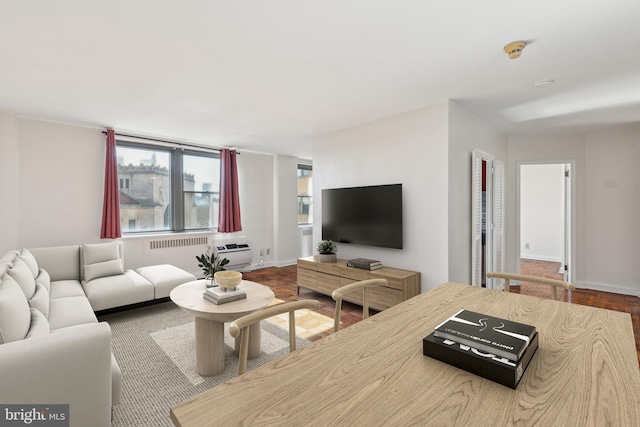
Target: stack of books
494	348
365	264
218	295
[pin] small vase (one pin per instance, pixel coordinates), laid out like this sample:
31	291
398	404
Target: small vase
328	257
211	282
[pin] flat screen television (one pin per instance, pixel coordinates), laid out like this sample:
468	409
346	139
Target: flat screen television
369	215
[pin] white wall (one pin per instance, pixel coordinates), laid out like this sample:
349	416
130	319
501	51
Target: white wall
255	181
61	179
607	202
8	182
466	133
543	149
409	148
286	234
541	212
613	210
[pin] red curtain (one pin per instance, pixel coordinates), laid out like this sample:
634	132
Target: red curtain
229	214
111	205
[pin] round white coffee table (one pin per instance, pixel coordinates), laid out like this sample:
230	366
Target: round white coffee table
210	320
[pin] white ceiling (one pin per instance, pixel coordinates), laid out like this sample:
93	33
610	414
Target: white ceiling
268	75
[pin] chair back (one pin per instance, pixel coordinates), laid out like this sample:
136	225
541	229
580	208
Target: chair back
241	326
533	279
339	293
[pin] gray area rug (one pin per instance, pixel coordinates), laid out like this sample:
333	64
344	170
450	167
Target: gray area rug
155	348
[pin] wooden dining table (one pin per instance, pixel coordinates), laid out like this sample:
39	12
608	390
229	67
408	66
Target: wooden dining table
373	373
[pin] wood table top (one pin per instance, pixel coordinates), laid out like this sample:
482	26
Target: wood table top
585	372
188	296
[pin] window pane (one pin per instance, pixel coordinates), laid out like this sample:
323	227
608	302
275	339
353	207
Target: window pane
201	182
144	179
201	210
201	173
305	194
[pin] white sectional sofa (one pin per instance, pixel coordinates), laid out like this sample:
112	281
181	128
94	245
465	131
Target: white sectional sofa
53	350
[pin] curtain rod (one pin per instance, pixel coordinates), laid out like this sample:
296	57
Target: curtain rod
179	144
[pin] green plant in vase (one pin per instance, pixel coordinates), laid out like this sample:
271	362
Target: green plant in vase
327	250
210	264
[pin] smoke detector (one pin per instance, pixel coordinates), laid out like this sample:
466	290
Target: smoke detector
514	49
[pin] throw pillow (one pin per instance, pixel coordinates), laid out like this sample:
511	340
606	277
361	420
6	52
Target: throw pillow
31	262
15	317
44	279
101	260
40	300
21	273
102	269
100	252
39	325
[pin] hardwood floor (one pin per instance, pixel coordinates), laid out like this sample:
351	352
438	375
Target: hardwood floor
282	280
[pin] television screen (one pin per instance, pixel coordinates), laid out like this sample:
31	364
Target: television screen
363	215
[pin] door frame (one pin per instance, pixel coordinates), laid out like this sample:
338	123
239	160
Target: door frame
569	244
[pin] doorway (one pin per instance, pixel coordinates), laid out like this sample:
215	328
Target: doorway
545	218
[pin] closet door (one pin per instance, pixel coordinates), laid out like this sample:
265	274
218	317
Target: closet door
487	253
498	223
476	219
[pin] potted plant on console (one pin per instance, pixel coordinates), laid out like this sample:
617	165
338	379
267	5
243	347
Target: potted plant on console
210	264
327	250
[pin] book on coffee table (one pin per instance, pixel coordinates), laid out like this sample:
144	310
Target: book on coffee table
219	296
502	337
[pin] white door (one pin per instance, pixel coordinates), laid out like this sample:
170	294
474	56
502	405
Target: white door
498	224
476	220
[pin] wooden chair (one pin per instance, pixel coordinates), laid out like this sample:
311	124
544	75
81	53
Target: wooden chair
534	279
241	326
339	293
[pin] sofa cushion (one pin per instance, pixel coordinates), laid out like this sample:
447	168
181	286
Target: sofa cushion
44	279
10	256
117	291
31	262
39	325
15	316
116	381
40	300
101	260
102	269
165	277
61	262
21	273
65	312
65	289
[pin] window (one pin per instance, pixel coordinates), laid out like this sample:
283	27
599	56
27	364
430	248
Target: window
201	195
305	194
166	189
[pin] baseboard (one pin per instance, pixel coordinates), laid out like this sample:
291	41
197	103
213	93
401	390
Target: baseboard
253	267
286	263
603	287
541	258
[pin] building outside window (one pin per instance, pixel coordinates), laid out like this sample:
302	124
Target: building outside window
305	194
201	194
162	189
